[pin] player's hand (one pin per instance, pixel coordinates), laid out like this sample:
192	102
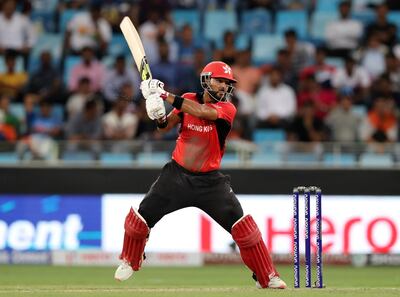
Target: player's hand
155	107
152	86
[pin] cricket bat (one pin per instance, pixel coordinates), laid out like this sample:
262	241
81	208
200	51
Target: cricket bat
136	47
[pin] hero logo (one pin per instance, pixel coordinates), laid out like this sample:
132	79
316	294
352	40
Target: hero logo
58	222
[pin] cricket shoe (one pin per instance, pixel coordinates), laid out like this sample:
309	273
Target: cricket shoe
275	282
123	272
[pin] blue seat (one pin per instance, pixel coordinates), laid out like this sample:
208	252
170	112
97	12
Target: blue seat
366	16
268	135
153	159
118	46
70	62
342	159
78	157
190	17
230	159
46	42
119	159
319	22
337	62
292	19
327	5
376	160
18	110
265	47
256	21
266	159
217	22
394	17
360	110
65	17
301	158
45	5
44	18
8	158
242	42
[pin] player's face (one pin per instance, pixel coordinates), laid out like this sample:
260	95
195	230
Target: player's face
220	86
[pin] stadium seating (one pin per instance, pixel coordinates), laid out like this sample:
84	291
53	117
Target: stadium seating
46	42
292	19
327	5
8	158
256	21
65	17
230	160
394	17
19	64
364	16
376	160
153	159
118	45
266	159
304	159
268	135
191	17
265	47
118	159
70	62
319	22
342	159
78	157
217	22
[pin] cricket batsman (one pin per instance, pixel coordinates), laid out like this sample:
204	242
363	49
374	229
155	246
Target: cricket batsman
192	177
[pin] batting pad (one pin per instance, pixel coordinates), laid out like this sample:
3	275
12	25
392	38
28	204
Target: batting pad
135	238
253	250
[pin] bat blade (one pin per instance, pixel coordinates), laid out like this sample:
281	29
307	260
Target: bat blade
136	47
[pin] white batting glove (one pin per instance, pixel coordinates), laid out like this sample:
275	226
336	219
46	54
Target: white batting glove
155	107
152	86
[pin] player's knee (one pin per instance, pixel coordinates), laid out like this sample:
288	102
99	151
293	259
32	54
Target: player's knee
135	225
245	232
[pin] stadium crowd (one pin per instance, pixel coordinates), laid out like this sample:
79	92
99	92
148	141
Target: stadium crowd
343	87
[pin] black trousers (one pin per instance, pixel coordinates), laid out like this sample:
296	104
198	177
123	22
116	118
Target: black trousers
177	188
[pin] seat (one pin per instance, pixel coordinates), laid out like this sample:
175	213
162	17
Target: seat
301	158
242	42
118	46
46	42
266	159
365	16
319	22
342	159
296	20
376	160
265	47
65	17
182	17
70	62
256	21
327	5
116	159
360	110
217	22
78	157
268	135
394	17
19	64
153	159
230	160
8	158
337	62
45	19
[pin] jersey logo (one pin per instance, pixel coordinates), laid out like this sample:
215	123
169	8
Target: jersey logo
227	69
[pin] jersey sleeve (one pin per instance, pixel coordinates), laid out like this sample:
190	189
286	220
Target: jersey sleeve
226	110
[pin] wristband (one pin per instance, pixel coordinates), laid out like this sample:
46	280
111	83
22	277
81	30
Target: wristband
178	101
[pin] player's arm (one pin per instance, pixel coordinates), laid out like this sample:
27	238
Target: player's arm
192	107
172	120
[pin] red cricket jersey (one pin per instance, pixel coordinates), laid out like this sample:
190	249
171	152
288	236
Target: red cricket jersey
201	143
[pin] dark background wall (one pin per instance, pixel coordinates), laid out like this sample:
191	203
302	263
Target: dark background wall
56	180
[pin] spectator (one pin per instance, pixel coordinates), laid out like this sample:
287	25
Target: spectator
300	53
84	128
89	67
342	122
9	123
322	71
186	46
116	78
119	124
46	123
275	102
306	127
380	126
149	35
46	80
166	70
393	71
383	88
77	100
285	65
384	30
228	52
324	99
88	29
343	35
352	78
372	56
11	81
16	31
295	4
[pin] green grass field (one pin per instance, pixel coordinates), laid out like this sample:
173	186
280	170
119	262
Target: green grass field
232	281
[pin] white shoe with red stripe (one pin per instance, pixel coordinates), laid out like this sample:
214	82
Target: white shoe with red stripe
274	283
123	272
